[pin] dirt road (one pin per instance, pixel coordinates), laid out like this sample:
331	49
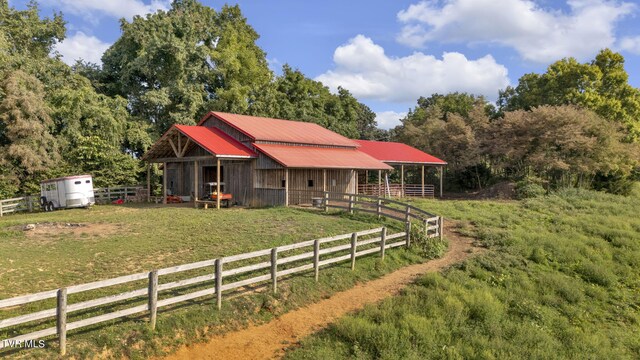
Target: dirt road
268	341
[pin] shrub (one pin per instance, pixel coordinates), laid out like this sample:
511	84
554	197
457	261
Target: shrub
529	189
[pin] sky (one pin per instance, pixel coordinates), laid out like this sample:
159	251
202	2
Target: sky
389	53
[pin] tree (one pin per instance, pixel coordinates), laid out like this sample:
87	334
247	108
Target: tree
28	148
564	145
174	66
601	85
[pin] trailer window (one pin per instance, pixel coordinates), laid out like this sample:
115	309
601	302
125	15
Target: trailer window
78	182
88	181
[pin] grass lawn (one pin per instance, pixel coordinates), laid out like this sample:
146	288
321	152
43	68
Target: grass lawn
120	240
561	279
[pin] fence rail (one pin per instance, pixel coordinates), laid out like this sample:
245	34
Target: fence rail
279	260
25	203
414	190
432	224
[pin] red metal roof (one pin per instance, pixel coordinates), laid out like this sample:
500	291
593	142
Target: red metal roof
276	130
317	157
393	152
215	141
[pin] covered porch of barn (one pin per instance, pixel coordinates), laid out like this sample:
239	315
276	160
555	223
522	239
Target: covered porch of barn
202	165
408	163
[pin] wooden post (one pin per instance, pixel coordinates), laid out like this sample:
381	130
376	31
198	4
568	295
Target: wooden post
350	204
379	182
408	226
441	227
366	178
195	183
274	269
316	258
383	242
422	181
148	182
379	208
153	298
441	174
61	323
30	203
1	208
326	202
164	182
354	241
402	180
219	283
324	179
218	196
286	187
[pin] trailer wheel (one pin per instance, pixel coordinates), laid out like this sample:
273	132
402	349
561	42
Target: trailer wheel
51	206
43	201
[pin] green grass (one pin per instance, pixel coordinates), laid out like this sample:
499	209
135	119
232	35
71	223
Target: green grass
140	238
561	279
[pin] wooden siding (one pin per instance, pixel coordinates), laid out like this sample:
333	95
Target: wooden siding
269	179
265	162
268	197
231	131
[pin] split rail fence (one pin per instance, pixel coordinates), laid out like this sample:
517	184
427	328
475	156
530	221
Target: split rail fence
101	195
280	261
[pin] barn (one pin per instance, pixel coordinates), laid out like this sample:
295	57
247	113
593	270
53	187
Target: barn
259	161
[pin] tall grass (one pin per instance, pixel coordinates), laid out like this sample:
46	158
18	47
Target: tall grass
561	279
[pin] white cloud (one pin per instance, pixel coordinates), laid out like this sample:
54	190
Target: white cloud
537	34
82	46
389	119
630	44
89	9
363	68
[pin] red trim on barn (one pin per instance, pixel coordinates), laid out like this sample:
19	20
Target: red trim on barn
394	152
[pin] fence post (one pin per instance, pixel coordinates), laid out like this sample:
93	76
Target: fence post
326	202
30	203
1	208
441	227
426	228
379	208
61	323
316	258
354	241
153	298
274	269
350	204
408	226
108	195
383	242
219	283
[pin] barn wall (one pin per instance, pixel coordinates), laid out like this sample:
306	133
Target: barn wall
229	130
239	179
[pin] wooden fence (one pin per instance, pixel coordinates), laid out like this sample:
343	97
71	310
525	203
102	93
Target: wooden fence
101	195
299	257
397	190
25	203
432	225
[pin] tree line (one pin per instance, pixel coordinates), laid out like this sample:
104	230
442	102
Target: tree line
174	66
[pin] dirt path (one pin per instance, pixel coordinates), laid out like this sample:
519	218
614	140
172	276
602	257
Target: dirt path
268	341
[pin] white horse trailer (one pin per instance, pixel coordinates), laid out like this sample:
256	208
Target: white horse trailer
67	192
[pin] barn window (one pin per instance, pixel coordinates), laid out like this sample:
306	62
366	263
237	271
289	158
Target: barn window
310	183
284	183
333	182
78	182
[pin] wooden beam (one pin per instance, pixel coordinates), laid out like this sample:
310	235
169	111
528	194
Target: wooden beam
366	177
324	180
218	184
173	146
422	181
184	159
195	182
149	181
179	144
379	181
441	174
402	180
184	148
286	187
164	183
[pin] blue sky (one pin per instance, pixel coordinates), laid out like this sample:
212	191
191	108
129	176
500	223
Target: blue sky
388	53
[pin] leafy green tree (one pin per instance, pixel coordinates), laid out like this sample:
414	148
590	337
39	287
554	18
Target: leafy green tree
27	147
601	85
